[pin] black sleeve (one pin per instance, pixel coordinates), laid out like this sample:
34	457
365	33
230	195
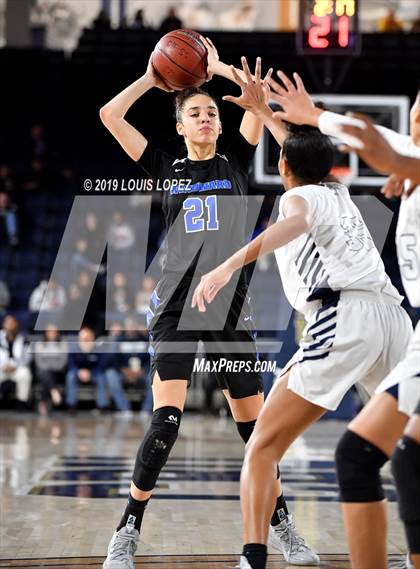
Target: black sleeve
240	152
155	163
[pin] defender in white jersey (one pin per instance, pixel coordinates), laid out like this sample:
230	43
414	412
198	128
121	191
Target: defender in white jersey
404	381
371	438
356	329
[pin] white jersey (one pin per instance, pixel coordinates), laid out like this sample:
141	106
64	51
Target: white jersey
336	254
408	246
408	228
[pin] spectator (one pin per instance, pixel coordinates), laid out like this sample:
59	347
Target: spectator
40	178
74	304
92	233
8	212
4	297
390	22
38	145
239	18
171	22
93	297
138	21
142	299
87	365
102	21
14	361
121	234
81	262
135	362
7	185
119	295
115	332
197	15
50	361
48	296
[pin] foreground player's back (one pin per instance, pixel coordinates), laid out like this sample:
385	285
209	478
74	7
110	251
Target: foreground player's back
338	252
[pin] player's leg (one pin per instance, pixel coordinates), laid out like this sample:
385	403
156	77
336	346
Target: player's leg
406	470
283	534
273	434
361	452
168	404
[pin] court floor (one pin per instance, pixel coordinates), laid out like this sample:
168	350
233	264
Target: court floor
64	481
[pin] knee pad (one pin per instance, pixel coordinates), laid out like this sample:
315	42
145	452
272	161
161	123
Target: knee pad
246	430
405	464
156	446
358	464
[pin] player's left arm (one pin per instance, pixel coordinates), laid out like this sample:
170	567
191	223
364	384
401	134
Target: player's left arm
296	222
252	125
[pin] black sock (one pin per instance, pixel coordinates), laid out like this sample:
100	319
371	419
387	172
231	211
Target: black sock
256	554
280	511
134	509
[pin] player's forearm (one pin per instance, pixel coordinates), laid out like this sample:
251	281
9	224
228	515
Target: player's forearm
119	105
225	70
251	128
276	236
406	167
275	126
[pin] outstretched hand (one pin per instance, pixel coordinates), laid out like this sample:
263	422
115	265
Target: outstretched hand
297	105
255	91
209	285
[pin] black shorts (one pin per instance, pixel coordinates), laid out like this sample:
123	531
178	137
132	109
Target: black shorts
226	329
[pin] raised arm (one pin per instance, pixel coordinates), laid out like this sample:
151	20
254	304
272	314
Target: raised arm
112	113
251	126
296	222
254	99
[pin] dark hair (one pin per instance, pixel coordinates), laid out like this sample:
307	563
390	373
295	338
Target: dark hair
183	96
309	153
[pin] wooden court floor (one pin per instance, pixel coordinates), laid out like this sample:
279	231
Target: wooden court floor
175	562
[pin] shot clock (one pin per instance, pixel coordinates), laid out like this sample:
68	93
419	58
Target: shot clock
328	27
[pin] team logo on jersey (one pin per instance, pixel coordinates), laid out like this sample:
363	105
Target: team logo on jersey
356	232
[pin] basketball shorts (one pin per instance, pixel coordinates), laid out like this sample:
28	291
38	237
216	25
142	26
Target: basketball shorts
353	337
226	330
406	375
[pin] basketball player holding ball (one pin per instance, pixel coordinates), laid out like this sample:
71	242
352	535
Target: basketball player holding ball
205	224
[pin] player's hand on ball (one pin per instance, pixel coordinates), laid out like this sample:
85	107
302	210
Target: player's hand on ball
212	57
157	81
209	286
254	95
295	101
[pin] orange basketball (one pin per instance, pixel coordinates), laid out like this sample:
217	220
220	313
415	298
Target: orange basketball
180	59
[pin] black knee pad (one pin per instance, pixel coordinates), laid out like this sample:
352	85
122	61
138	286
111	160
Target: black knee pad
405	463
358	464
156	446
246	430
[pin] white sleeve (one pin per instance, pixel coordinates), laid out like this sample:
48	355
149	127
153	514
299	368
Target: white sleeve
402	143
330	123
307	194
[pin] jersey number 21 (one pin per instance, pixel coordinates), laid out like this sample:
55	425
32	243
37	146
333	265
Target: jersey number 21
195	218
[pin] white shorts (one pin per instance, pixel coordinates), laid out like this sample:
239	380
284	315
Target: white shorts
407	376
359	337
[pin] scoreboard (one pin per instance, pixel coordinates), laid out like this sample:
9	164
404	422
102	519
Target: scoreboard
328	27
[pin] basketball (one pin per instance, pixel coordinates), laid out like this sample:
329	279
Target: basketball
180	59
